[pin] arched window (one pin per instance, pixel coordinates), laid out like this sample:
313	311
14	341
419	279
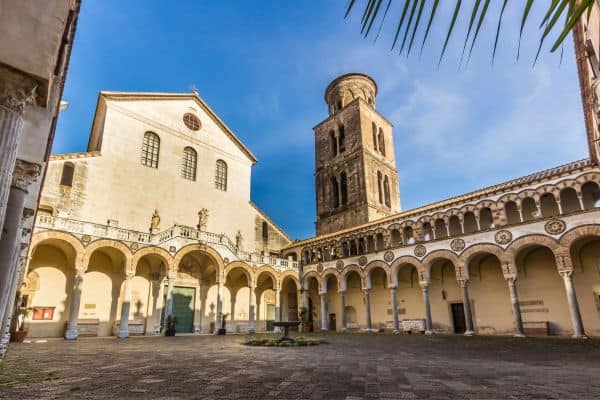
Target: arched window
379	183
548	205
150	150
335	194
512	213
454	226
332	143
188	164
486	218
341	139
221	175
374	127
344	188
381	142
66	179
569	201
386	191
470	223
590	194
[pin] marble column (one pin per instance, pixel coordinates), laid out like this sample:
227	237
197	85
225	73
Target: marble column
198	307
514	300
11	307
24	174
367	293
169	300
233	297
251	307
578	331
219	305
154	325
344	317
277	308
427	305
125	306
324	320
396	327
72	329
16	92
464	285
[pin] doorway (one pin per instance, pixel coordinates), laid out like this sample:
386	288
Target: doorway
332	326
183	308
458	317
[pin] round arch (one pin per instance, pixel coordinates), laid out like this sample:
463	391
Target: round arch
212	253
373	265
440	255
270	271
325	277
307	276
113	244
346	271
531	240
577	233
76	245
245	269
483	248
401	262
164	255
290	275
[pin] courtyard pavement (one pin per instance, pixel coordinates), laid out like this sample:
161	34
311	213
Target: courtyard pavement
351	366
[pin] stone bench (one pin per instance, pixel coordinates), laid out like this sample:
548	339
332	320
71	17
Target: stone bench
137	327
536	328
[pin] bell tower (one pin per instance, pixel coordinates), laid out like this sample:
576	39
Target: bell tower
356	176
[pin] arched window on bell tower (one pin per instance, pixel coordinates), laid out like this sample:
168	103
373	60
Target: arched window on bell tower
381	142
344	188
379	183
333	143
374	127
341	139
335	194
386	191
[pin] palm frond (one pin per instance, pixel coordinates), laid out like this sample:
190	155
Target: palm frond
412	11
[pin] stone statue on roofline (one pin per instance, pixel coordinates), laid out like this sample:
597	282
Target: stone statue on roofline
238	240
202	219
155	222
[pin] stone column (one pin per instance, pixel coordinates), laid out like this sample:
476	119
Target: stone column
344	317
578	331
277	308
251	307
367	293
426	303
514	300
155	316
581	204
324	321
23	175
396	327
219	304
169	303
72	332
198	307
125	306
16	91
10	309
464	284
233	298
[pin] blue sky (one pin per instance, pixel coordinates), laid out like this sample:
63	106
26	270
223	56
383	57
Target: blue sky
263	67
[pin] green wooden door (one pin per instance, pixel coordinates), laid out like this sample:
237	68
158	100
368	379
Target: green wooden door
184	299
270	317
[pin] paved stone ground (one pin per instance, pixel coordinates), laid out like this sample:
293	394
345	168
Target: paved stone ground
353	366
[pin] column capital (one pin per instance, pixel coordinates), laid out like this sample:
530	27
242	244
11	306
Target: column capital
24	174
16	90
566	273
463	282
129	275
511	279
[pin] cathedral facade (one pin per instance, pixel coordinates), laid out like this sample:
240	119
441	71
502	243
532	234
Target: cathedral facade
155	219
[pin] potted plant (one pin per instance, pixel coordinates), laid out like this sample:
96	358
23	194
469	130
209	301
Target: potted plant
171	322
18	332
222	330
306	320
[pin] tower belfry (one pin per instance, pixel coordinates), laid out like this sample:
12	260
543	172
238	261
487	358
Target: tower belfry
356	176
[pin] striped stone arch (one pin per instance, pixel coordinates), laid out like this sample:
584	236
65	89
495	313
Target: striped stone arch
567	183
483	248
326	275
267	269
41	237
293	275
530	240
346	271
523	194
308	276
506	198
399	263
371	266
209	251
154	250
548	188
113	244
587	177
580	232
248	271
441	255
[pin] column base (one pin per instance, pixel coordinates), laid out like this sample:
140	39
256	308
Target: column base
521	335
396	332
579	337
324	329
344	330
251	330
469	333
370	330
123	334
71	334
429	332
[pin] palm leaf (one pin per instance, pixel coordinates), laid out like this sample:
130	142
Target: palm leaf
523	20
408	25
498	30
412	38
454	16
431	16
404	9
471	21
